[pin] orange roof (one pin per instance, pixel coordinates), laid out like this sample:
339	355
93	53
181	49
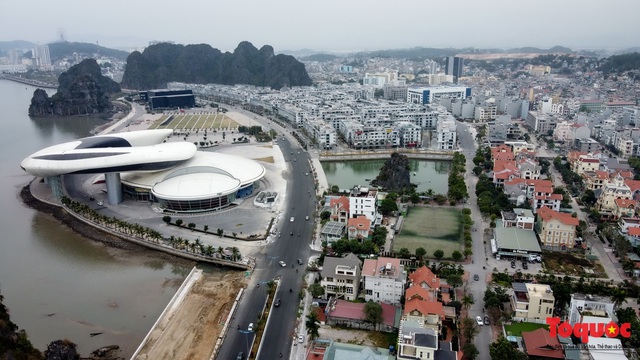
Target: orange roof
634	185
540	343
424	275
547	214
624	203
418	292
424	307
371	266
634	231
602	175
343	202
626	174
360	223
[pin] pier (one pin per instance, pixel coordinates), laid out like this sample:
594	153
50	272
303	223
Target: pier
31	82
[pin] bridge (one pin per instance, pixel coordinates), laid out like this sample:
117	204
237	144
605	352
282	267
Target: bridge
384	154
31	82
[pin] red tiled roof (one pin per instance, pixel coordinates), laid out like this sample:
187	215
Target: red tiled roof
349	310
634	231
424	275
418	292
634	185
372	266
540	343
360	223
602	175
589	160
424	307
547	214
342	200
624	203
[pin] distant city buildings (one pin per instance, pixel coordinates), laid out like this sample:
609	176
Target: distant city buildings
454	67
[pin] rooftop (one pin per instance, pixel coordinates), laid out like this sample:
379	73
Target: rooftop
516	239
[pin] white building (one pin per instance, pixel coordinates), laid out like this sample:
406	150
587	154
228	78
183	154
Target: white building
409	133
591	304
378	80
340	277
384	280
446	133
430	95
323	133
363	202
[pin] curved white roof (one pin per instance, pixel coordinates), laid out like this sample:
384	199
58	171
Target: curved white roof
196	186
235	167
136	150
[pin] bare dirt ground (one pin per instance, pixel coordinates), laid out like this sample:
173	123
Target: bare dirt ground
358	337
191	330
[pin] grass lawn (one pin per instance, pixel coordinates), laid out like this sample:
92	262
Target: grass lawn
516	329
431	228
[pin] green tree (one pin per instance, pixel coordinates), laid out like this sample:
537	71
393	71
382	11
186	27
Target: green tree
456	255
206	228
454	280
325	215
220	232
502	349
179	222
438	254
191	225
467	301
387	206
316	290
335	189
166	219
470	351
468	329
415	198
420	253
312	324
373	313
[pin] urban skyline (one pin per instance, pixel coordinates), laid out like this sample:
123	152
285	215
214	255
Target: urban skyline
331	25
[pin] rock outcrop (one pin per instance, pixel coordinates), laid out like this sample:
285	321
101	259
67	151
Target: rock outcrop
202	64
82	90
395	174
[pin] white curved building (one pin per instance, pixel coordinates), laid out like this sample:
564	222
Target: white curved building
139	165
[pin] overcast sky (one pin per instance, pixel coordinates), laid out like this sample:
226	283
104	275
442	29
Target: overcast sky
330	25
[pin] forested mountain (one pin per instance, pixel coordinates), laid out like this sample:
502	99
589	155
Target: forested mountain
60	50
621	63
161	63
82	90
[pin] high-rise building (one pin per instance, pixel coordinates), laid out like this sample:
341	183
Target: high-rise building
41	56
454	67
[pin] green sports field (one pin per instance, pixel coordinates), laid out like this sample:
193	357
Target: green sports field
431	228
195	122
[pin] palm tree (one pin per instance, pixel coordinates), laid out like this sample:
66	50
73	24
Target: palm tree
618	296
312	324
467	301
236	253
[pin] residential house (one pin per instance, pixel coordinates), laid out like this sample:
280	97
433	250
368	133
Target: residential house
332	231
605	348
589	305
363	201
595	180
633	235
358	228
539	344
503	171
532	301
340	276
614	189
520	218
384	280
634	186
416	342
625	224
425	278
528	168
339	209
585	163
556	230
544	196
502	152
352	315
624	208
428	313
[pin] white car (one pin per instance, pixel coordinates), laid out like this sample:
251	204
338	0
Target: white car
291	219
306	218
301	338
479	320
250	327
282	263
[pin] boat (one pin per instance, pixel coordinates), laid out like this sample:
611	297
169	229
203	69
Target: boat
367	179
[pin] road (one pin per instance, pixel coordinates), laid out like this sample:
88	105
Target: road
293	244
479	263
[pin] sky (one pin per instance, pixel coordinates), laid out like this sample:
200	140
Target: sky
328	25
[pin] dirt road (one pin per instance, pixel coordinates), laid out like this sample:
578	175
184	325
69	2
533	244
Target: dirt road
189	329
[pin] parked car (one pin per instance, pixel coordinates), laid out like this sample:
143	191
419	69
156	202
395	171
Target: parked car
300	262
479	321
476	277
250	327
525	265
301	338
513	264
486	320
277	303
282	263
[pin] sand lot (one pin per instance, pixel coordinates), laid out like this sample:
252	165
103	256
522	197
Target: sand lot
190	330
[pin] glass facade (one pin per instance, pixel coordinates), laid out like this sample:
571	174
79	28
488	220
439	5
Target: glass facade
211	204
